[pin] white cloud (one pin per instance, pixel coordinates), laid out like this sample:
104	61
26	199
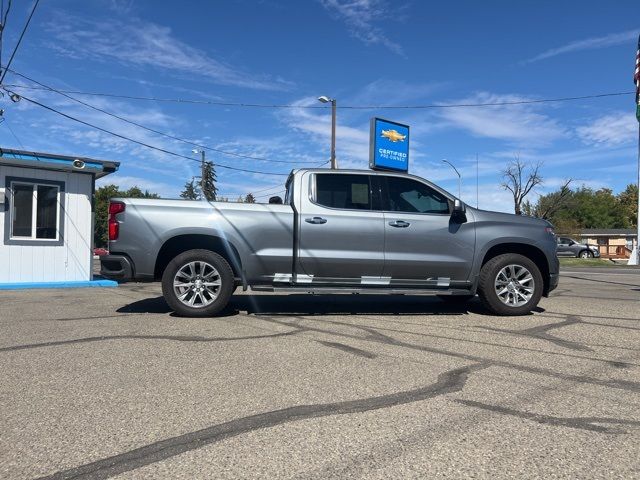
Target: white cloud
135	42
360	17
611	130
519	124
587	44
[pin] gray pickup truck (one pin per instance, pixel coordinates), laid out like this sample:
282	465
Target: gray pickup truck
337	231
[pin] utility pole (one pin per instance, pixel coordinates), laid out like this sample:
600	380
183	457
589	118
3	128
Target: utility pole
477	183
201	152
202	171
325	99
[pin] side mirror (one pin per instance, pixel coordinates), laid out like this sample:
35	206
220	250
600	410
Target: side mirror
459	208
275	200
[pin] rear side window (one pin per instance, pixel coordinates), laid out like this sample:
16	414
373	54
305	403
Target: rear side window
409	196
351	192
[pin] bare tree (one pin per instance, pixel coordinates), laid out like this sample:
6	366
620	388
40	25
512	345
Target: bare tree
520	178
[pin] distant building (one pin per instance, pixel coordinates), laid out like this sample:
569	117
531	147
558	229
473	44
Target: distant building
612	242
46	213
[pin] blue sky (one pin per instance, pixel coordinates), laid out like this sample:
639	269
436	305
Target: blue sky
362	52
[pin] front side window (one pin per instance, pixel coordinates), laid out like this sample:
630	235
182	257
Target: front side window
35	211
344	191
409	196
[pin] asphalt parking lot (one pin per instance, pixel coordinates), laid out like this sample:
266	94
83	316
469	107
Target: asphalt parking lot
106	383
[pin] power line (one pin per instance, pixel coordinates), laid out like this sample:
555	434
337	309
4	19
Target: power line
343	107
12	132
138	142
4	73
153	130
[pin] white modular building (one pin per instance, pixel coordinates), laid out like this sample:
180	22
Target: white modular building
46	213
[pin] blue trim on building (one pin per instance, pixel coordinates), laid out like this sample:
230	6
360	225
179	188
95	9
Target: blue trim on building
45	159
84	284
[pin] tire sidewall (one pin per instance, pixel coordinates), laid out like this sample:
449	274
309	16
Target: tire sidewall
226	288
487	289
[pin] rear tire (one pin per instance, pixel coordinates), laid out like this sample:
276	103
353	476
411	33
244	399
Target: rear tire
510	284
198	283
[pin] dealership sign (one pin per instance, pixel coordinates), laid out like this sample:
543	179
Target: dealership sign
388	145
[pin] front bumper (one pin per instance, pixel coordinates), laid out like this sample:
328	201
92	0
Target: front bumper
117	267
554	278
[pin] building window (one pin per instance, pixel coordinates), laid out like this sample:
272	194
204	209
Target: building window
35	211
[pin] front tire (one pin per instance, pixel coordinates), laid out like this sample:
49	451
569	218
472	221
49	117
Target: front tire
198	283
510	284
585	254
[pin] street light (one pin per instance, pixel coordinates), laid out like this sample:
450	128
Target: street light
325	99
457	173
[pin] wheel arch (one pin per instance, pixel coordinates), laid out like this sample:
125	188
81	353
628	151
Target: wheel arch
532	252
182	243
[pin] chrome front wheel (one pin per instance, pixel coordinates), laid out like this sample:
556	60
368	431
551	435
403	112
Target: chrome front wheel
514	285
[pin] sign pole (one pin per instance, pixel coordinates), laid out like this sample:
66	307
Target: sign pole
638	217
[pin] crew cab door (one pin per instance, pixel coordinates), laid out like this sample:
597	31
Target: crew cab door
424	243
340	235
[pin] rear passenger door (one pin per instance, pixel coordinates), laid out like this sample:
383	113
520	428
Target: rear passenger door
424	244
341	236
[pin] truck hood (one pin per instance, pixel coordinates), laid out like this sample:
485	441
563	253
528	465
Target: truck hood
488	216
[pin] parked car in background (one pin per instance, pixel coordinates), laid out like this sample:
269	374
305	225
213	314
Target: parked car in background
568	247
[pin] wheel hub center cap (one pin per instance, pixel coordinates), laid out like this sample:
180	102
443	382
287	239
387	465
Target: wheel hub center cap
198	283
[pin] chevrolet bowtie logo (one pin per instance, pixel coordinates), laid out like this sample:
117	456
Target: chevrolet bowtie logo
393	135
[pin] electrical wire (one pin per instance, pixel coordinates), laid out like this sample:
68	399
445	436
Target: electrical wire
138	142
343	107
4	73
153	130
4	120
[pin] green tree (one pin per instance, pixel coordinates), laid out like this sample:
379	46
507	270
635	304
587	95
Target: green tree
101	210
249	198
628	204
209	188
190	191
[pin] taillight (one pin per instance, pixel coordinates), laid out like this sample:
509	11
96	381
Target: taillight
114	227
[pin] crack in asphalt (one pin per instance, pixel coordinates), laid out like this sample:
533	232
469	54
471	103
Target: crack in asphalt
541	332
177	338
448	382
386	340
348	349
594	424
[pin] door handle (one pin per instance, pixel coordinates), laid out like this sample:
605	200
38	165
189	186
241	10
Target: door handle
399	224
316	220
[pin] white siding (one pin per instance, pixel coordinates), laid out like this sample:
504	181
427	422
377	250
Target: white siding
71	261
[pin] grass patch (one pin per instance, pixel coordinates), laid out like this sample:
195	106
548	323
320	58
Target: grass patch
587	262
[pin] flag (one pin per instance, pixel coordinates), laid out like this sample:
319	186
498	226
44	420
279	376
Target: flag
636	80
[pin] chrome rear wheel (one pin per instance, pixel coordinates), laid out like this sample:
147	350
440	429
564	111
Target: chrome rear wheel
197	284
